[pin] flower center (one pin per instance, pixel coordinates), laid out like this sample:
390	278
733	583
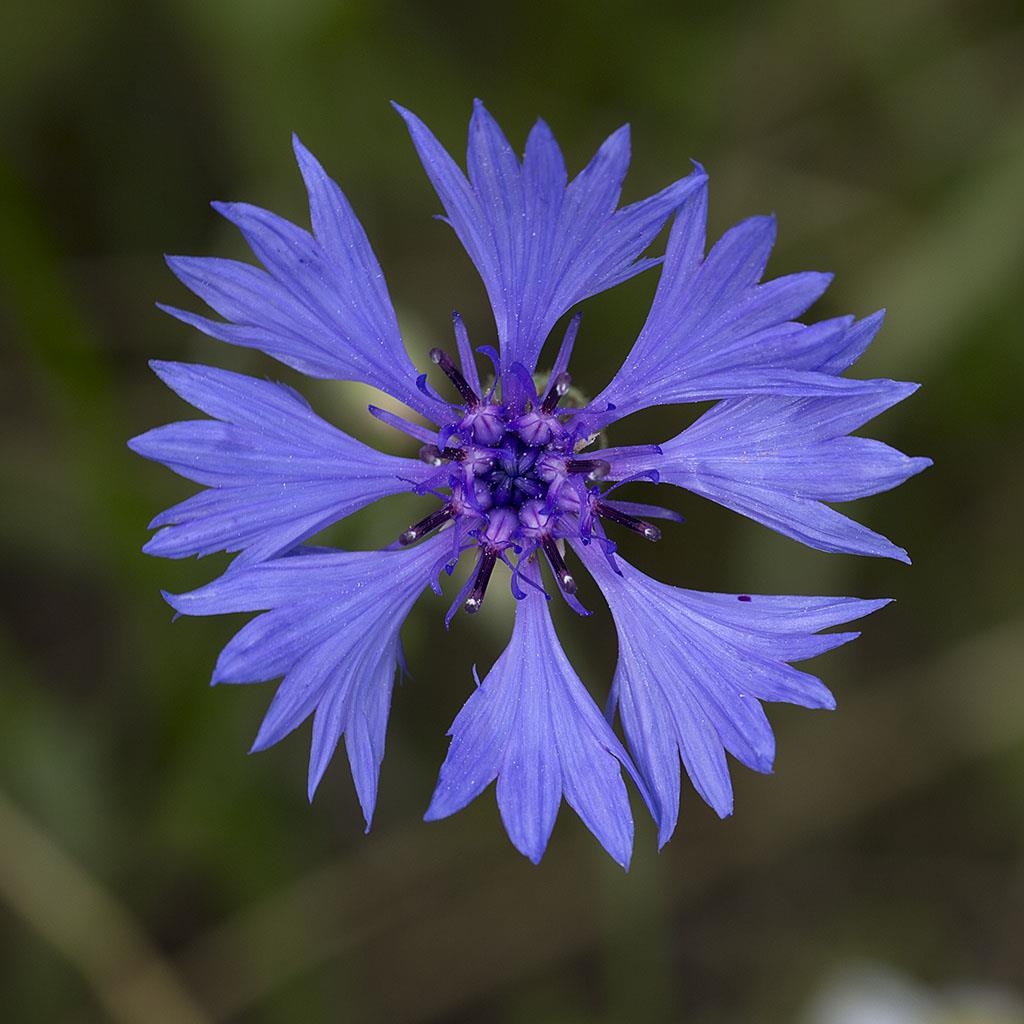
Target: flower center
515	478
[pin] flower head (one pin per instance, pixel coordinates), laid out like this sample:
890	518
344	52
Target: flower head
513	477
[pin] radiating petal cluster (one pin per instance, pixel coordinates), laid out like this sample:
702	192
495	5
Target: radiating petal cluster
330	626
510	477
533	726
777	460
715	330
694	668
540	242
319	304
275	472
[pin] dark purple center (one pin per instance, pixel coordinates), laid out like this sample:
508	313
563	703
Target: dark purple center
512	479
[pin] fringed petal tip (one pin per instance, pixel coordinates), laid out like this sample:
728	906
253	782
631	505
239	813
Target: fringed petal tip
831	704
137	444
179	314
230	210
158	545
726	811
303	157
259	746
164	368
434	812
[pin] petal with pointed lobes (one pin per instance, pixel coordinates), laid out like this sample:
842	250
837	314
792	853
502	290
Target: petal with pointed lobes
694	668
715	330
542	243
776	460
532	725
320	305
276	472
330	626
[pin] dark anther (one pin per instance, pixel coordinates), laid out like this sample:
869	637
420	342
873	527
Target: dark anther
431	455
559	388
427	525
596	469
454	374
484	568
434	456
645	529
558	566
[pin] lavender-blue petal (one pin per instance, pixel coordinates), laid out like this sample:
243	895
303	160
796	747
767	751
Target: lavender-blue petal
320	305
714	331
277	472
693	669
539	244
776	460
330	626
532	725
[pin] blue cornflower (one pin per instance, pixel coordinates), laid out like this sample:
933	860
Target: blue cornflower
514	477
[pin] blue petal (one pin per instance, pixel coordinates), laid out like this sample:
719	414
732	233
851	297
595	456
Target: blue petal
540	245
693	669
532	725
776	460
714	331
855	343
278	473
320	306
331	627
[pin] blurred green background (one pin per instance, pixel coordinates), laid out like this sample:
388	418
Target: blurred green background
151	872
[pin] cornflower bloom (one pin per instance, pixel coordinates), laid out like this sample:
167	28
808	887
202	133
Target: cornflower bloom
515	476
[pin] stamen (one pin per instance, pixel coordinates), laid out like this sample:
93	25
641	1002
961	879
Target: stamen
431	455
558	390
596	469
427	525
645	529
412	429
469	368
558	566
434	456
454	374
484	568
565	350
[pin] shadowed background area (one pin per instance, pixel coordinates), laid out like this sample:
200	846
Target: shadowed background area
151	872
